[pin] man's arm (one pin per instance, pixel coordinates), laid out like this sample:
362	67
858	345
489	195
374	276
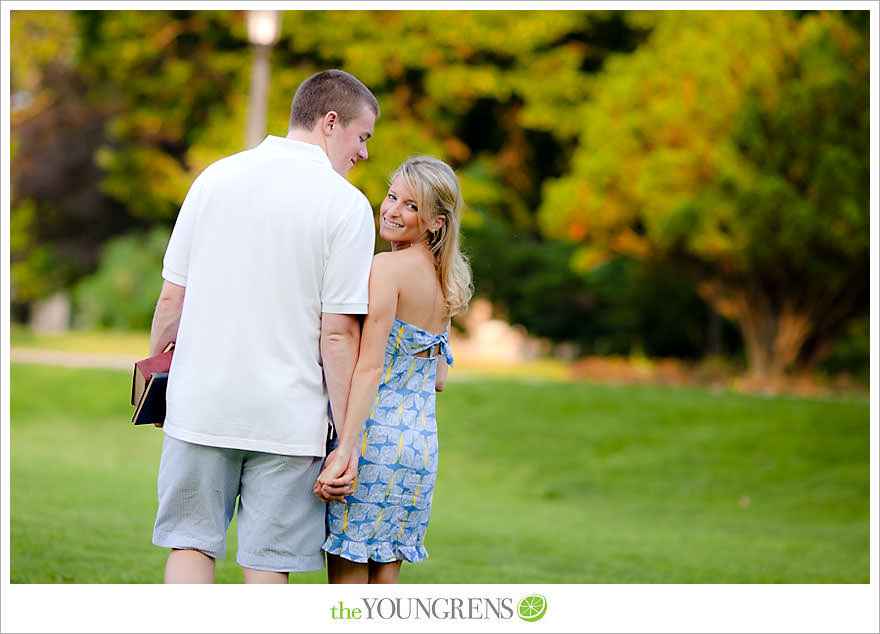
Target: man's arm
166	318
340	341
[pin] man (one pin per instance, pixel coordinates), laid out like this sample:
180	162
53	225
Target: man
265	273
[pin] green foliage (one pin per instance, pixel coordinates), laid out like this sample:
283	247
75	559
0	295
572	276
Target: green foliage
468	86
122	293
167	73
650	486
852	351
38	40
745	160
132	91
168	91
34	269
673	136
622	306
804	152
59	218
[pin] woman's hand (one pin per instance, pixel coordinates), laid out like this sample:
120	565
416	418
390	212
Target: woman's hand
335	480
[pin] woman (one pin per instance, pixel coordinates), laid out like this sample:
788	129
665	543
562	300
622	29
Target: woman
414	291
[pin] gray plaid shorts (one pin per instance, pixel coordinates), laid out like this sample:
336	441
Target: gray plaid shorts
280	521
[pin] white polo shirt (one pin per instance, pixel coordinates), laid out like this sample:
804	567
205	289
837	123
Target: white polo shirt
266	240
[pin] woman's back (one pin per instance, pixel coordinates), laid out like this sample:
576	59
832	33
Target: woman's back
420	300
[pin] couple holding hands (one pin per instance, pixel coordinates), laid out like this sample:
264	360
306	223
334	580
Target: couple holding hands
294	342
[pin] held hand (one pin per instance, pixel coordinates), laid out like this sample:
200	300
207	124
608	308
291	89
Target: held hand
336	470
335	480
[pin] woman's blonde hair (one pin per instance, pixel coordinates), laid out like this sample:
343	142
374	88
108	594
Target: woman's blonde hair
437	193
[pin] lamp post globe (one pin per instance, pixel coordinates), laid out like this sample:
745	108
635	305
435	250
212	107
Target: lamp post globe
263	27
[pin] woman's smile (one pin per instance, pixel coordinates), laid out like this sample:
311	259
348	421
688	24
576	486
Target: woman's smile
391	224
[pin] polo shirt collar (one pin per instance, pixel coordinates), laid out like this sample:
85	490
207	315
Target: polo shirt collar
298	148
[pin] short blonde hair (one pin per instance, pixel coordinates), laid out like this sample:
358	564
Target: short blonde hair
437	192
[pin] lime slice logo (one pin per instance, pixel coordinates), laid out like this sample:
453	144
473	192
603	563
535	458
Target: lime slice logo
532	607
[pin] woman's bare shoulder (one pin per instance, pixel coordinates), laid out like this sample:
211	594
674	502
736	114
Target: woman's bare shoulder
387	268
394	261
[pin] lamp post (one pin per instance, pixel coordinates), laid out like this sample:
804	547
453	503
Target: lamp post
264	29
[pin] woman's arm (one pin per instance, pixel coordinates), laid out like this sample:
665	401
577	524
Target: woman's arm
442	371
368	370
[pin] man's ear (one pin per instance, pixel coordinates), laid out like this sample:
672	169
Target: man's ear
329	122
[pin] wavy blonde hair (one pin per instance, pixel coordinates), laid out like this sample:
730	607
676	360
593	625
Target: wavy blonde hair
437	193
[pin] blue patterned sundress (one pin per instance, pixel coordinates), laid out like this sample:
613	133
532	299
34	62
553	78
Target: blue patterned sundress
386	517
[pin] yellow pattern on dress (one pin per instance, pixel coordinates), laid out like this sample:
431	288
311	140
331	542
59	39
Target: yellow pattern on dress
400	532
416	496
387	374
373	411
356	476
388	492
378	519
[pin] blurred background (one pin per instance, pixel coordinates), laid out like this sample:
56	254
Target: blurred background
663	376
672	196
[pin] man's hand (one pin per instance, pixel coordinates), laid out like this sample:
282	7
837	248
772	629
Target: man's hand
335	480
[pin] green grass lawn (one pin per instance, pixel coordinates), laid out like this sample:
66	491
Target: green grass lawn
134	343
550	482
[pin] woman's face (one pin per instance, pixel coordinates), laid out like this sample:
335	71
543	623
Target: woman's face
399	220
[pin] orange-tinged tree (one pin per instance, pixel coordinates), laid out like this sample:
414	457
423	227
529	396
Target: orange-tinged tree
152	97
734	144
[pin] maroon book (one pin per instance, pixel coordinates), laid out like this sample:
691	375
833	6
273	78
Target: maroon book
148	383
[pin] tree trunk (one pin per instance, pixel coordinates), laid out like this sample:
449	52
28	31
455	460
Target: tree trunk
792	327
772	336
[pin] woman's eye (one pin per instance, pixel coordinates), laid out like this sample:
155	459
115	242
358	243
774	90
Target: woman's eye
413	207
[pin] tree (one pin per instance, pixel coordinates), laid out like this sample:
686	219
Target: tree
621	307
735	146
109	104
151	97
55	195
